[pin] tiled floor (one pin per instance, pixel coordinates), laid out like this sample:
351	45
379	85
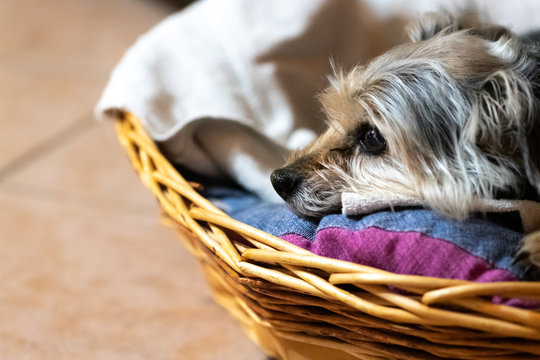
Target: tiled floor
86	269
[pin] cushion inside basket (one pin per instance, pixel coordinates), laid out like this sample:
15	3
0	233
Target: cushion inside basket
411	241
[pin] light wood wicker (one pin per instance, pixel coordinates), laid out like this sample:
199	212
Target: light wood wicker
296	305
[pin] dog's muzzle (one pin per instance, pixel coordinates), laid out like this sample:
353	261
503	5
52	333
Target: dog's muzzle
285	181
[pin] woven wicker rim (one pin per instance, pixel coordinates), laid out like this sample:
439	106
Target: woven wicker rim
434	303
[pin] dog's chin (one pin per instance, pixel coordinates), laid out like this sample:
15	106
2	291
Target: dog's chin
314	208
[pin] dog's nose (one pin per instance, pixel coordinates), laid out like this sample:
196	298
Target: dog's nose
285	181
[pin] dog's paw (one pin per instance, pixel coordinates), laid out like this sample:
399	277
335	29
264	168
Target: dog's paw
529	253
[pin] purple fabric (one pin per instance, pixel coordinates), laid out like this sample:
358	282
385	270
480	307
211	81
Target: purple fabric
401	252
407	252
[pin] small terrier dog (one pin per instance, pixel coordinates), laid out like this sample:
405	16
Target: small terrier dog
449	118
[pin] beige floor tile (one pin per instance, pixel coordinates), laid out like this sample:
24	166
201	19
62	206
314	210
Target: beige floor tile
84	32
35	105
55	58
91	168
84	284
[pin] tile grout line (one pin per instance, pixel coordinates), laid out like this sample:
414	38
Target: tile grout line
55	141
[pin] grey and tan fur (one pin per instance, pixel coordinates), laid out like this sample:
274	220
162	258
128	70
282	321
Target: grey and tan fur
449	118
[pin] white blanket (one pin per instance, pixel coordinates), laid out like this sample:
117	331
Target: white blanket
227	87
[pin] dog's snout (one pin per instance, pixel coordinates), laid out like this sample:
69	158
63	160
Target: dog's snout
285	181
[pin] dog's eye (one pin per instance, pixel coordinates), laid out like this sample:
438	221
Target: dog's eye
372	141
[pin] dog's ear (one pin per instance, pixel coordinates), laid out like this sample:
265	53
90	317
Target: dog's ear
433	23
490	32
532	157
505	121
430	24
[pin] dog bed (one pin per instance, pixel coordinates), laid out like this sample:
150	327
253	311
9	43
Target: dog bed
298	304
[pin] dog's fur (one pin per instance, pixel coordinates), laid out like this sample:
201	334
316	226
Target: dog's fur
449	118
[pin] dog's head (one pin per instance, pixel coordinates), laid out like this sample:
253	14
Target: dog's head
451	117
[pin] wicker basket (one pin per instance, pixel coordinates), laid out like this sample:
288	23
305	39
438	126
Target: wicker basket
296	305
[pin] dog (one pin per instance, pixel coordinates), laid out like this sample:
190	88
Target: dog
451	117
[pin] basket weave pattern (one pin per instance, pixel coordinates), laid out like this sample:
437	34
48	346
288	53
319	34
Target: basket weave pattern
297	305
